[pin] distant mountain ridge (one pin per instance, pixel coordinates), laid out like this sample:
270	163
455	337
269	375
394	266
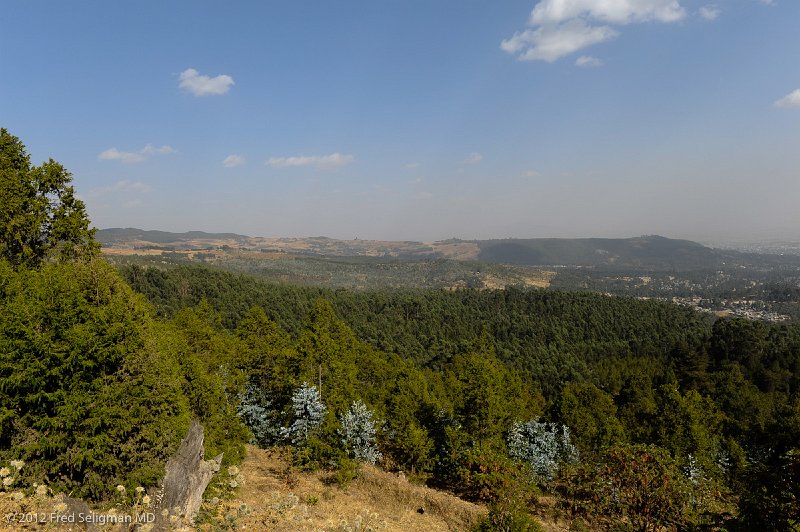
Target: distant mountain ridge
128	234
640	252
649	252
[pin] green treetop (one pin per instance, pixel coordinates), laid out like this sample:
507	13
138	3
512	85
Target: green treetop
40	216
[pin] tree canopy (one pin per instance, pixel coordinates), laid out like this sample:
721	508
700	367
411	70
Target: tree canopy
40	216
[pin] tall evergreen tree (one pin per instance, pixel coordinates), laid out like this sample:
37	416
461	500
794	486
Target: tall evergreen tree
40	216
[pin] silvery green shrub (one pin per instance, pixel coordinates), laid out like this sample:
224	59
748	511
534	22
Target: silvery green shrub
257	413
358	433
308	412
545	446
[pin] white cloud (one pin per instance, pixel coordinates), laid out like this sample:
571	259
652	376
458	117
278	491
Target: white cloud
768	2
710	12
790	101
532	173
129	157
334	160
123	186
113	154
562	27
232	161
163	150
473	158
551	42
587	61
201	85
610	11
412	165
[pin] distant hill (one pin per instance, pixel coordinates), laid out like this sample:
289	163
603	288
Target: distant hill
651	252
117	235
645	252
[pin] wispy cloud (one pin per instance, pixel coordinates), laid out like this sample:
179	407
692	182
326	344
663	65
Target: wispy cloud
562	27
611	11
130	157
790	101
123	186
473	158
334	160
232	161
587	61
710	12
412	165
200	85
551	42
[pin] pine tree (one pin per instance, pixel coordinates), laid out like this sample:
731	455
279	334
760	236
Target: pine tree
591	414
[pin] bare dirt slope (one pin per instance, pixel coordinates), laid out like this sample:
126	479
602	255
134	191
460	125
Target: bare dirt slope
278	499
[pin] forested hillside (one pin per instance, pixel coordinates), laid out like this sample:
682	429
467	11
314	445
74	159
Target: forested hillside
718	398
551	333
629	413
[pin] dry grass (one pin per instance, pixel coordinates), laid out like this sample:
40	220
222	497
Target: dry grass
273	496
124	251
519	275
457	250
272	499
323	247
20	511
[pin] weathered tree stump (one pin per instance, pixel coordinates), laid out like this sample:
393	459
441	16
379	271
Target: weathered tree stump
186	478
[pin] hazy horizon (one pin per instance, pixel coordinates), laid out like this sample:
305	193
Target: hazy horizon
710	243
417	120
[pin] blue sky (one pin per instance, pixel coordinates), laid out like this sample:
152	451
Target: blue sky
416	119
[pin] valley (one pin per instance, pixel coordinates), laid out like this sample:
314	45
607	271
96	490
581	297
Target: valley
760	286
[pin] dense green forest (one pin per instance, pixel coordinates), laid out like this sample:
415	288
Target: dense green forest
720	396
552	334
633	414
